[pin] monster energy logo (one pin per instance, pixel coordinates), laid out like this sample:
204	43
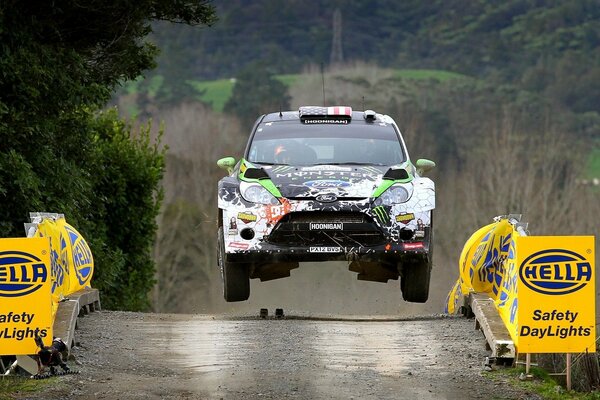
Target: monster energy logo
381	214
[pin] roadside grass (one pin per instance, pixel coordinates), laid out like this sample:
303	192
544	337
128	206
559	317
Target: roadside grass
13	386
541	384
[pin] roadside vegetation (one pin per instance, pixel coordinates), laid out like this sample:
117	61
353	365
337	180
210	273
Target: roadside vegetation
11	386
539	384
61	152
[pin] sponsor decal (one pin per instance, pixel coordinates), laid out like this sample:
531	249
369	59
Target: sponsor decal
413	246
326	183
405	218
556	294
326	198
562	332
58	271
246	217
17	334
381	214
232	227
21	273
238	245
274	213
25	298
555	272
326	121
82	255
327	168
321	249
318	226
322	174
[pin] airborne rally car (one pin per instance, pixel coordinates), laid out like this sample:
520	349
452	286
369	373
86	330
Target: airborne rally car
323	184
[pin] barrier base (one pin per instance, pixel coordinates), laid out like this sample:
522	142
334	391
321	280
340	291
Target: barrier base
78	304
492	326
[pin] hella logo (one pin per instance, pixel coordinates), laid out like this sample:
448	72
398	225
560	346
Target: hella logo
326	198
21	273
555	272
82	256
326	183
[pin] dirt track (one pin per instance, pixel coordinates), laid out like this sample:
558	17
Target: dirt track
166	356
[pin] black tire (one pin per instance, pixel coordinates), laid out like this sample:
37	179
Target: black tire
415	281
417	274
236	276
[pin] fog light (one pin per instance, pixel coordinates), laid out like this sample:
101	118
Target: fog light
247	233
406	234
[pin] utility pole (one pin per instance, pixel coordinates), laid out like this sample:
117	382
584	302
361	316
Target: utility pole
336	57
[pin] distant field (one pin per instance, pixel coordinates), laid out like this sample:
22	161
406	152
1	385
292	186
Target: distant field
594	163
440	75
217	92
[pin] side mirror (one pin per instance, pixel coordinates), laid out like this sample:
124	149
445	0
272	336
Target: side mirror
423	165
227	164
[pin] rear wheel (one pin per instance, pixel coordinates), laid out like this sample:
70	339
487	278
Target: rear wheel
415	281
236	276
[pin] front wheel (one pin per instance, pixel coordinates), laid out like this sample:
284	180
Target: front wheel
236	276
415	281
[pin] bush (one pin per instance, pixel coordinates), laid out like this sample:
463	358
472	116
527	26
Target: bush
127	196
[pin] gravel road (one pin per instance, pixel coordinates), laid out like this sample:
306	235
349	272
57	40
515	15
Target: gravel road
129	356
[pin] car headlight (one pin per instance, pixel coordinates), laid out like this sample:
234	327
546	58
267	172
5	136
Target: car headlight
258	194
394	195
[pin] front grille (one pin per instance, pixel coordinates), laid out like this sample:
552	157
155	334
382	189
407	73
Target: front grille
294	229
325	216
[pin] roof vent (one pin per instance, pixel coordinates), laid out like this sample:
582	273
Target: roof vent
370	115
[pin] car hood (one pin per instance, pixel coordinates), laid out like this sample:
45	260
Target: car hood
343	181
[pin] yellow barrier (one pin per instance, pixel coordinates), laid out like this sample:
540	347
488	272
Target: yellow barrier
71	259
481	265
36	273
543	287
25	305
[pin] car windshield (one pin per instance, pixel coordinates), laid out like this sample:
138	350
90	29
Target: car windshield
293	143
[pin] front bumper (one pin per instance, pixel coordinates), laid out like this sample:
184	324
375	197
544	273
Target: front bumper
300	231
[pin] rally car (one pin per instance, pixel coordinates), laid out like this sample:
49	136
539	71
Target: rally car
323	184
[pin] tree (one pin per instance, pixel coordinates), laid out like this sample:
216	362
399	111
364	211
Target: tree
59	62
256	92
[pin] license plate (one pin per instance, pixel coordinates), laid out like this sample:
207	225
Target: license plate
325	249
326	226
